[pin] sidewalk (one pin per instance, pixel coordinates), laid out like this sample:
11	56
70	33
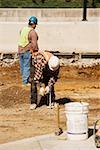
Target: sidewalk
50	142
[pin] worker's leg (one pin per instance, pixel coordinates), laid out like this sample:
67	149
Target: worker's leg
33	97
21	63
33	92
26	67
52	94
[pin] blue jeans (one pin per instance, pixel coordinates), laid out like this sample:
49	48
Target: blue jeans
25	66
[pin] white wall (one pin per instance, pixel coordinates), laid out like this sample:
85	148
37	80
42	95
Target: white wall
58	29
62	36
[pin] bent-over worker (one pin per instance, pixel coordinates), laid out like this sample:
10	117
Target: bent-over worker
46	73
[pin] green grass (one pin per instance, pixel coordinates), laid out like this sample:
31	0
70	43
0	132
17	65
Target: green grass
47	4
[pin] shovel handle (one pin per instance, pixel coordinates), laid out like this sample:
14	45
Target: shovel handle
58	115
95	124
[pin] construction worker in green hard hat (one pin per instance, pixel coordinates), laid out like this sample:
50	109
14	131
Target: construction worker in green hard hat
28	40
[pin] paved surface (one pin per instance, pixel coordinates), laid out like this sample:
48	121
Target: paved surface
50	142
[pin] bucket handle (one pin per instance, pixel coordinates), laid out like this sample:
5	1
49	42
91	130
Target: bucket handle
82	107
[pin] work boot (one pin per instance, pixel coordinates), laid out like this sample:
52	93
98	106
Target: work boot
33	106
51	106
26	86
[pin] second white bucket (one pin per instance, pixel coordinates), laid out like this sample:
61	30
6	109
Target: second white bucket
77	120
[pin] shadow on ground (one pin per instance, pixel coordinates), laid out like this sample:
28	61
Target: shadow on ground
61	101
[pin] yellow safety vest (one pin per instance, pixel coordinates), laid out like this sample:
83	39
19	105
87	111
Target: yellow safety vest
23	39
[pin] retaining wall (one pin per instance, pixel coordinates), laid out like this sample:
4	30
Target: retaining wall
54	35
65	14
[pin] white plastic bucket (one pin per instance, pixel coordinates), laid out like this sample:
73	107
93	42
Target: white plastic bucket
77	120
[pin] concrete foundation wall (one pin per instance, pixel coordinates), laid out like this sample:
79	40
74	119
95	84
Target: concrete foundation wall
62	36
58	29
21	15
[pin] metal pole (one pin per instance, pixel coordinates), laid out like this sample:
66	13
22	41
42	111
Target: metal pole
84	10
50	99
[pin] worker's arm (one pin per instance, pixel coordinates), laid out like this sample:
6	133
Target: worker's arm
50	85
52	80
33	41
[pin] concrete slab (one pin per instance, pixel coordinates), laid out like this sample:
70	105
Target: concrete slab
50	142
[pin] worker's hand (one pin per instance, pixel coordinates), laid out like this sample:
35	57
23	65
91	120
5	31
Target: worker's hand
42	91
98	132
47	90
21	50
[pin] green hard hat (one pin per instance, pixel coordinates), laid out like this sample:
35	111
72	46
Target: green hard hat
33	20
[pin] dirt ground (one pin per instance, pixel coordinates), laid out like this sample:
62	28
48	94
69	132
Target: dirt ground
17	121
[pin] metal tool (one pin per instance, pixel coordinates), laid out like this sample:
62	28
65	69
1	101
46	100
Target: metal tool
97	134
59	131
50	105
50	99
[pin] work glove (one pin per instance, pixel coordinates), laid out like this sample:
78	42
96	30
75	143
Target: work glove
42	91
47	90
